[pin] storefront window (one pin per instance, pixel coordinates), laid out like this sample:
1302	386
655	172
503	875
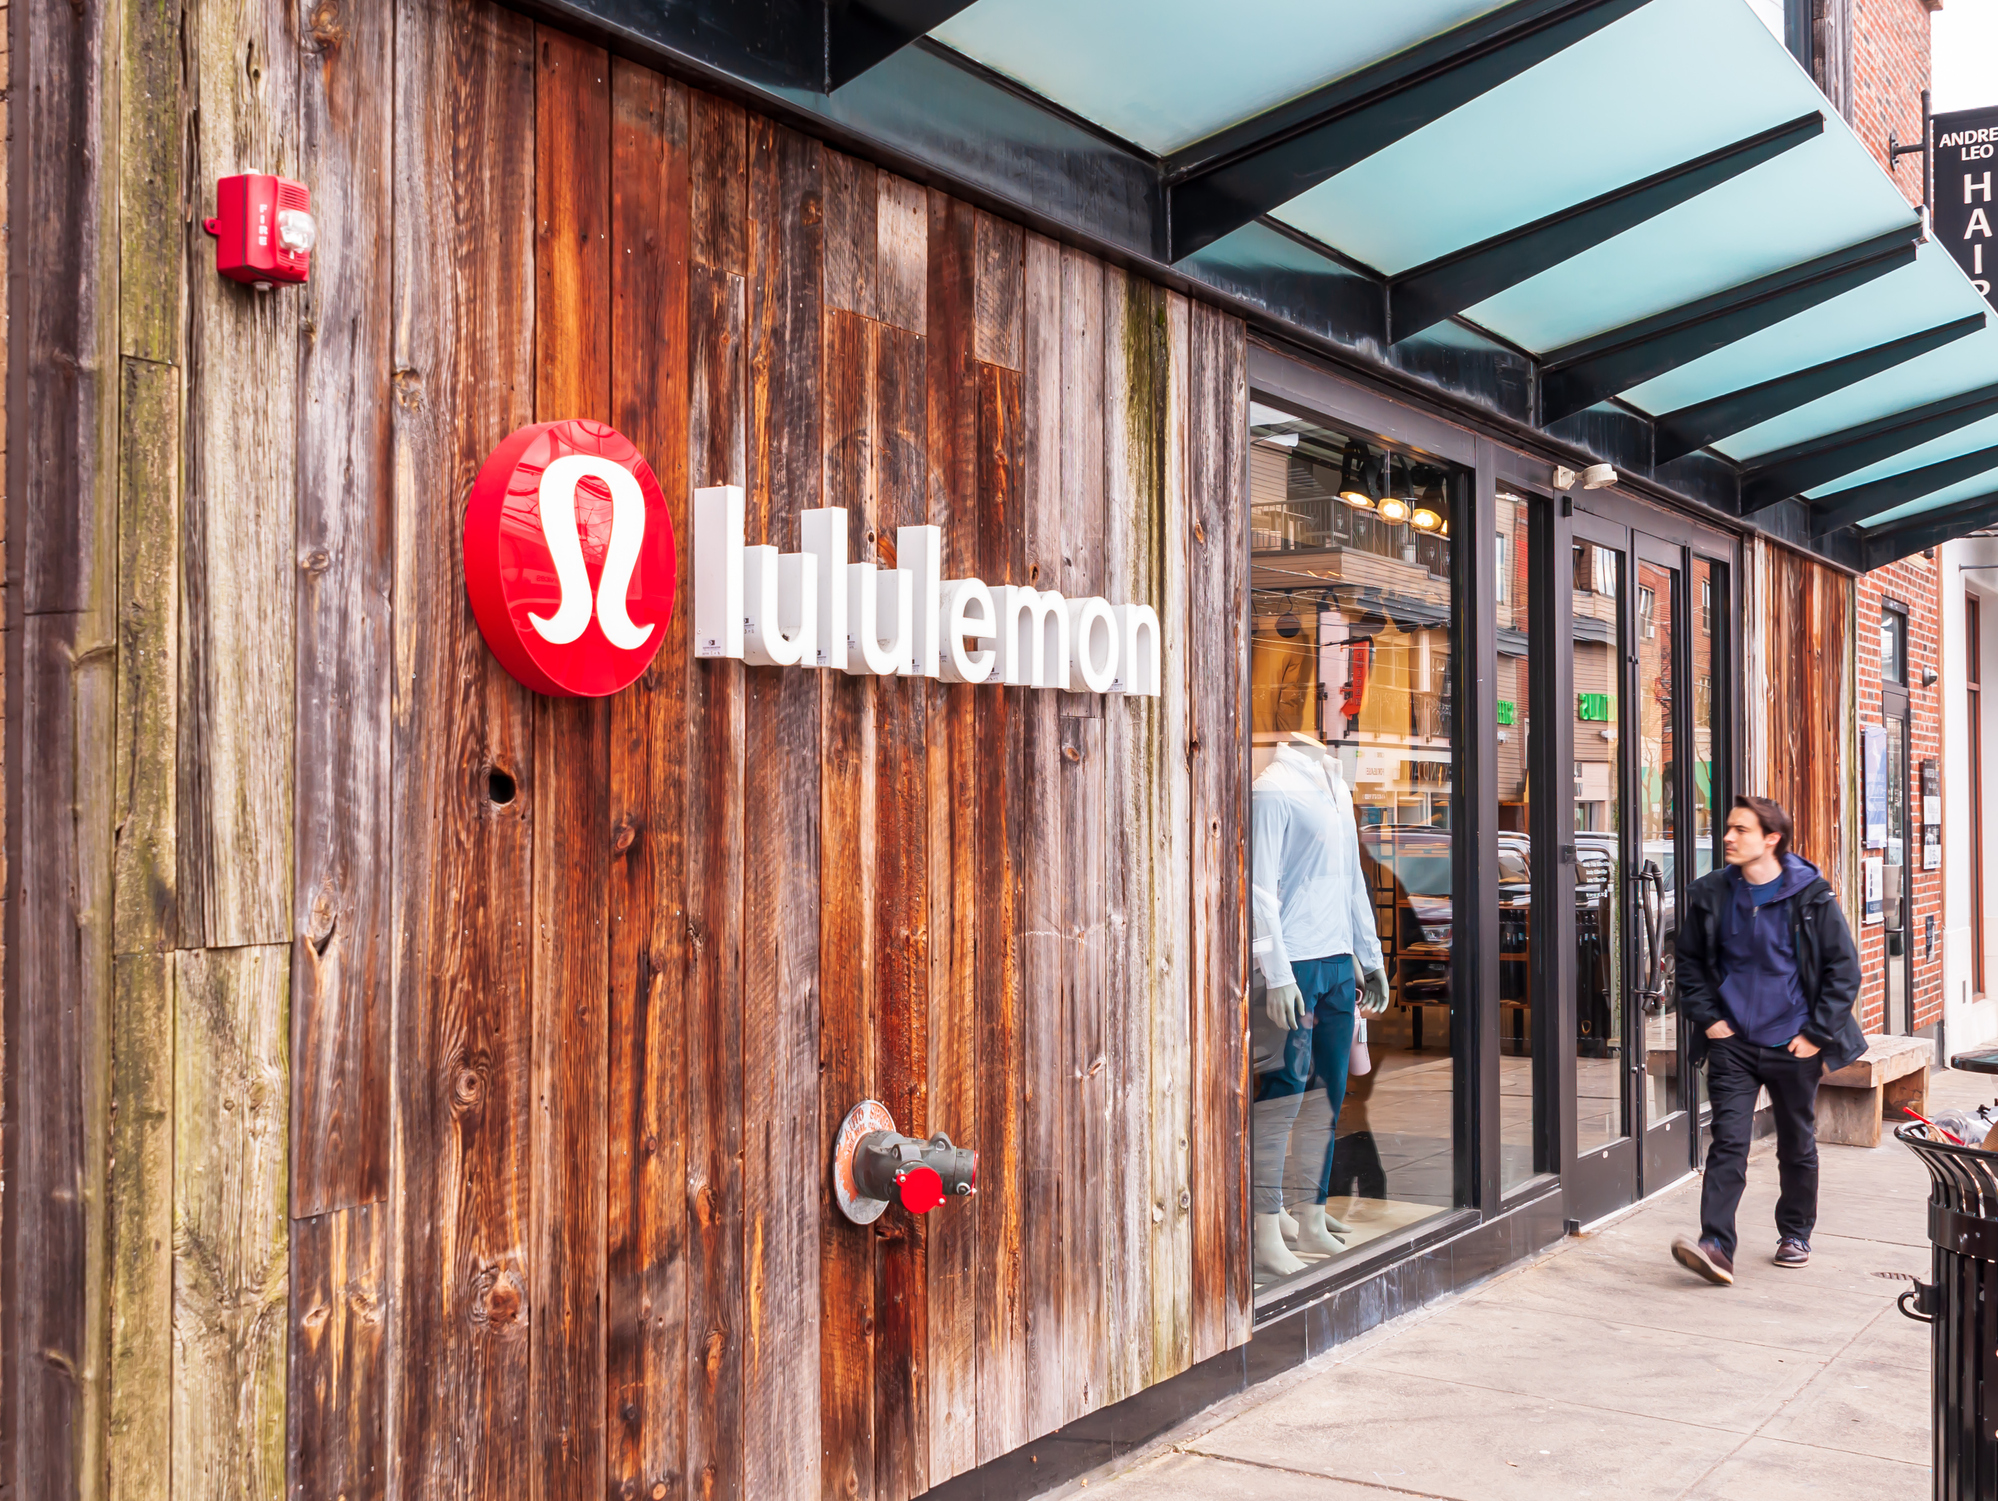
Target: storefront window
1351	841
1596	631
1518	1025
1893	646
1705	747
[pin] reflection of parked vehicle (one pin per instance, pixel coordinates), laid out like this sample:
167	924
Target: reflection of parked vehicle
1408	867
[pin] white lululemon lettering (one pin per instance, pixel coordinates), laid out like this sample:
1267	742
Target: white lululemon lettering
817	607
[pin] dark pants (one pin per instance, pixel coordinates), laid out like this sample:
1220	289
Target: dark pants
1736	1069
1324	1049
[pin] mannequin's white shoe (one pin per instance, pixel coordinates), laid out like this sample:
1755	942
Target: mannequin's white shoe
1315	1231
1289	1226
1272	1255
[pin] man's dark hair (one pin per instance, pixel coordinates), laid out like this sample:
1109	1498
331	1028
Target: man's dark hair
1769	813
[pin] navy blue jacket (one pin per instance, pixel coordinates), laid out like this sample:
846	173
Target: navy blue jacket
1827	961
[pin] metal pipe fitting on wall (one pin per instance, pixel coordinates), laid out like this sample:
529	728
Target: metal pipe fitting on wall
875	1166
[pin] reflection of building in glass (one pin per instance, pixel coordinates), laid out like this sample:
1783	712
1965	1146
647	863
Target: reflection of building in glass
1595	630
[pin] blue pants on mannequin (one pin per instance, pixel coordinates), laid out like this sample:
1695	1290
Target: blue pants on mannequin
1324	1046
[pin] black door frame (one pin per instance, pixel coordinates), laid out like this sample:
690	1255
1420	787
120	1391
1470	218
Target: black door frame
1896	719
1650	1157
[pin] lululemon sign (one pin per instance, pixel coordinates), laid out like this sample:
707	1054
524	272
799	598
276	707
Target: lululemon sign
817	608
569	558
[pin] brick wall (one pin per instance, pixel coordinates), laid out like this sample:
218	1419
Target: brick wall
1890	68
1912	582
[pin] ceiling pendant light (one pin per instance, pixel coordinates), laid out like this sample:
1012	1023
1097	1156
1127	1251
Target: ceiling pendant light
1352	476
1288	625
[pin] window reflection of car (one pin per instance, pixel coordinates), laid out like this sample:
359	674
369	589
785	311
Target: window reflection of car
1409	866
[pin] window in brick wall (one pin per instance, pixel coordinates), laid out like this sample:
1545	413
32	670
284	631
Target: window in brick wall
1893	645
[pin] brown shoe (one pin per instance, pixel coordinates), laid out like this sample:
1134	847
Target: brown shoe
1793	1252
1704	1259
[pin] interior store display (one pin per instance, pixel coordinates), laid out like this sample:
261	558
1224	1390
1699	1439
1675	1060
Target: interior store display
1351	655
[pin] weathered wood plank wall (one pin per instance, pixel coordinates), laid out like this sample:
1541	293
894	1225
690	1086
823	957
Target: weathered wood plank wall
1800	704
442	1092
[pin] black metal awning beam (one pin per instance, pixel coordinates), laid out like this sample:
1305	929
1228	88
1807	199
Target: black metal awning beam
1805	466
1889	544
862	33
1444	287
1851	507
1693	427
1584	373
1217	185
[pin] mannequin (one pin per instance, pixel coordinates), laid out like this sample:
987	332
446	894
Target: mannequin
1315	938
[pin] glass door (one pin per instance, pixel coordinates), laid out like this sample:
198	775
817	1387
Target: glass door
1601	1166
1656	722
1640	809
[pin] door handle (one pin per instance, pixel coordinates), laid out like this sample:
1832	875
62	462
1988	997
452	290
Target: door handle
1651	904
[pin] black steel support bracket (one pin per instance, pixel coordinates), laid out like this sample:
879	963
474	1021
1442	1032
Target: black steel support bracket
1694	427
1582	374
1444	287
1889	544
861	33
1805	466
1851	507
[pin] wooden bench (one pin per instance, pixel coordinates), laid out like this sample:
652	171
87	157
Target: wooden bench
1893	1073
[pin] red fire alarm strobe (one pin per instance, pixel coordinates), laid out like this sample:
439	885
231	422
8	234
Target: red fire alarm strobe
264	229
569	558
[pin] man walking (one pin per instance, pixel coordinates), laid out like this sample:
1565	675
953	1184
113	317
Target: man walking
1767	975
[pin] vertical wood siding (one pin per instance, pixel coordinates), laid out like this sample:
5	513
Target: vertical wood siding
1801	709
451	1071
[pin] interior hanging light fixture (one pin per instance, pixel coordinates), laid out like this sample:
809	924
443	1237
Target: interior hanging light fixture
1352	476
1428	513
1288	625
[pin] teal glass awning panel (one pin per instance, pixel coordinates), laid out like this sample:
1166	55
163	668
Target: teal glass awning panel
1922	296
1965	440
1166	73
1970	489
1962	366
1670	82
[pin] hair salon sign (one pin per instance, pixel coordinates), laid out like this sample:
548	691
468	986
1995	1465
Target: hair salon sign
570	565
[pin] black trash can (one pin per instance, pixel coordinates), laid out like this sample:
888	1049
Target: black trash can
1961	1307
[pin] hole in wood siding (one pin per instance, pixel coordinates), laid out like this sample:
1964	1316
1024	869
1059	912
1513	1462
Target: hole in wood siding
500	788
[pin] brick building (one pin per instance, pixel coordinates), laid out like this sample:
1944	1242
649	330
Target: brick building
1899	639
1899	606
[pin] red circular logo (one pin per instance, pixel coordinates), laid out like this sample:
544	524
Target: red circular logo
569	558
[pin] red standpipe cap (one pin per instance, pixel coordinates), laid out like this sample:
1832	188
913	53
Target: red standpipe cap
974	1172
921	1189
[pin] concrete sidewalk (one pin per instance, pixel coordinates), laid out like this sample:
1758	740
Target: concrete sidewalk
1601	1369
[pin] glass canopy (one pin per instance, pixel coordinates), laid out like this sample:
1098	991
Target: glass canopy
1654	87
